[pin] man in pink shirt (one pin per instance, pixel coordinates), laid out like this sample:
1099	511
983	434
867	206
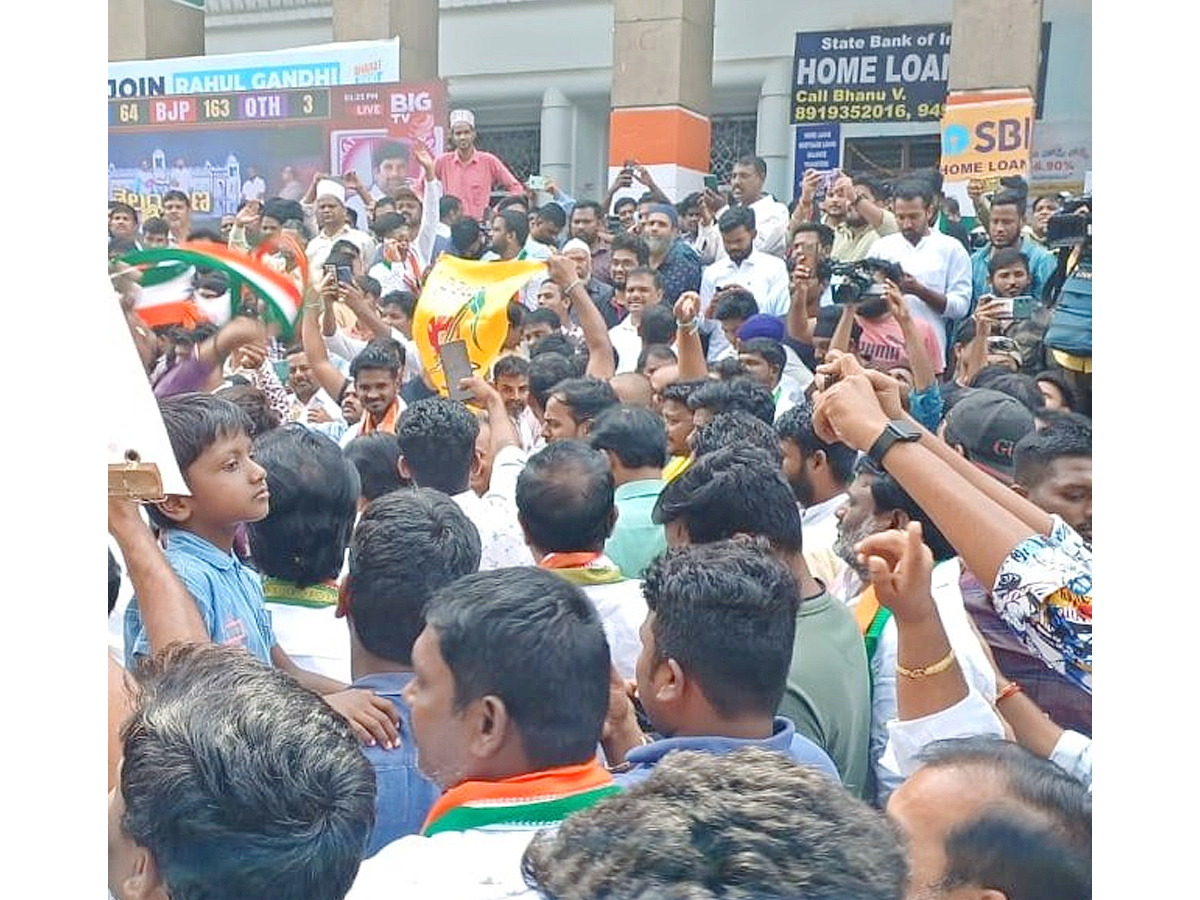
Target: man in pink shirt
469	174
890	333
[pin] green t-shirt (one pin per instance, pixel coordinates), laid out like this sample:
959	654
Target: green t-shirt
636	540
828	694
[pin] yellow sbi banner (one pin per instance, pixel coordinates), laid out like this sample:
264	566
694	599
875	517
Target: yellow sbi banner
465	300
986	134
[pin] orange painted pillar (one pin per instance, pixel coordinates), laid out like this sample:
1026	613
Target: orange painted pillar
662	92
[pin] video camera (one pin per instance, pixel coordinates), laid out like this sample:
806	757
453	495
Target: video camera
855	282
1072	224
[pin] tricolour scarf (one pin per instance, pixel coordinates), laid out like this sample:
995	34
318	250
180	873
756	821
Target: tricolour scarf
582	568
536	799
387	423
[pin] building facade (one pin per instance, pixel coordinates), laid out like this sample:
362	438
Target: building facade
539	76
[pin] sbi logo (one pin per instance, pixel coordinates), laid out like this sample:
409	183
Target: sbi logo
956	139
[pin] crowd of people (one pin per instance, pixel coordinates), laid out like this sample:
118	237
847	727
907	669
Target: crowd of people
757	565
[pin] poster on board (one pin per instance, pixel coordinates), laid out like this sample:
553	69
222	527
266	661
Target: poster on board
208	145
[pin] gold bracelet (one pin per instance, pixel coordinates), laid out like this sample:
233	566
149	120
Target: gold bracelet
924	671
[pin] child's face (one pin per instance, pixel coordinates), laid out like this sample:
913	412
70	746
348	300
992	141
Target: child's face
228	486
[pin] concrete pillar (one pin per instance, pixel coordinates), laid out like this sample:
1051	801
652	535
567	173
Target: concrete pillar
662	90
154	29
979	28
415	22
773	140
558	119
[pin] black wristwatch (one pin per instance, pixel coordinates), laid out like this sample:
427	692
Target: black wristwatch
897	430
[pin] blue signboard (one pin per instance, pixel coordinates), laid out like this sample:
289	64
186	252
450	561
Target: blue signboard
817	147
886	74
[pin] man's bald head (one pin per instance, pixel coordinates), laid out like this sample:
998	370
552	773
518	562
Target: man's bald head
633	389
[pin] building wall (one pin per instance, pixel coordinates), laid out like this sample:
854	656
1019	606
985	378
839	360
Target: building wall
500	56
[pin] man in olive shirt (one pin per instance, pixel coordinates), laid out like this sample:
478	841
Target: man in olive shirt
741	490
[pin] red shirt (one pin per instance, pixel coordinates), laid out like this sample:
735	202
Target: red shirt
471	181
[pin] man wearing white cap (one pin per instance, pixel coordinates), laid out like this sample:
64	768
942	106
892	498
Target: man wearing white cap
470	174
578	252
333	225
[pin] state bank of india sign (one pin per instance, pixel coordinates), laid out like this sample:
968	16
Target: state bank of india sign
894	74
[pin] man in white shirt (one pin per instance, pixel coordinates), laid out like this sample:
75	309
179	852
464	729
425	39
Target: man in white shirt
937	269
566	501
765	276
437	450
509	697
819	474
772	217
332	221
642	290
304	395
253	188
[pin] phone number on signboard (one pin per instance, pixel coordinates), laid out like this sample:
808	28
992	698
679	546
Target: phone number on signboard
865	112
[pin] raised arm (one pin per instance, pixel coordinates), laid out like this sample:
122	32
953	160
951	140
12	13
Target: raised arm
430	204
983	532
352	295
841	333
621	182
806	288
974	356
692	364
326	374
887	394
642	174
804	205
501	426
591	323
914	345
169	613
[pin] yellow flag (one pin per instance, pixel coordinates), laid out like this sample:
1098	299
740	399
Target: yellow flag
465	300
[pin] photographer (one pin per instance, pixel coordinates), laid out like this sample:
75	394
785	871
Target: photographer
1069	338
887	338
892	341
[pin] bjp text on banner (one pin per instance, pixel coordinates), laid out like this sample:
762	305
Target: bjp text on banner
987	135
468	301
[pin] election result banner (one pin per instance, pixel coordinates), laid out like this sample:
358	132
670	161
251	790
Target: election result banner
885	74
210	146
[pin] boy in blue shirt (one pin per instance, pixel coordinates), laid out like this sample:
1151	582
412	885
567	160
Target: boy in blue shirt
210	437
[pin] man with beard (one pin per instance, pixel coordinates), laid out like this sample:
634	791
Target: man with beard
763	275
865	222
600	291
877	503
937	270
819	474
469	174
677	264
586	218
1004	232
746	181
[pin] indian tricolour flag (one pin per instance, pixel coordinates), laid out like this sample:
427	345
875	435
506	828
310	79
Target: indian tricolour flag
171	274
167	296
